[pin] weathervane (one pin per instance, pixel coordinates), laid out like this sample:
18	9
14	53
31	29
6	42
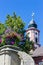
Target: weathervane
33	15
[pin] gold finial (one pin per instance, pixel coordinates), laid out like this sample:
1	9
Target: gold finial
33	15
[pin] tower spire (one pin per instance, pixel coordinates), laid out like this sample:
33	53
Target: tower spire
33	15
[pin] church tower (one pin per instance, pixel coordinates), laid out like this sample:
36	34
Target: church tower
33	33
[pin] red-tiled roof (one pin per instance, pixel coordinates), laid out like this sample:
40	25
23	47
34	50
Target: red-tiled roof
38	52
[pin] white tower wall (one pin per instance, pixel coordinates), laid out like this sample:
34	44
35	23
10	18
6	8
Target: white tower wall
32	34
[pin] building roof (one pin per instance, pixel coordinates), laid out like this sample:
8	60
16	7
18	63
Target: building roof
38	52
32	24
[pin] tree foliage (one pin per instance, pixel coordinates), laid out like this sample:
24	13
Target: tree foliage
15	23
26	45
13	31
2	28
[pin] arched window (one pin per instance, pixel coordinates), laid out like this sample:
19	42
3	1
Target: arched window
36	33
36	39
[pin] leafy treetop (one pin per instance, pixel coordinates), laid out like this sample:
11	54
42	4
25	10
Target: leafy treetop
12	32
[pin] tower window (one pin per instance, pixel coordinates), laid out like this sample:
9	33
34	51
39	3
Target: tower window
36	40
36	33
28	33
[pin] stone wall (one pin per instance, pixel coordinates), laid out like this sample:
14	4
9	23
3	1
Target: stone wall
13	56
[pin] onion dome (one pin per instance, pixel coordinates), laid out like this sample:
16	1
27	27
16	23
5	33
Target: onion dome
32	24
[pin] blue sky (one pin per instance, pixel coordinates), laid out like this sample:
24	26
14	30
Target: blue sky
24	9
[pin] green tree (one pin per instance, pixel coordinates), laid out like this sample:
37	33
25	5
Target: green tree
2	28
17	27
27	45
15	23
